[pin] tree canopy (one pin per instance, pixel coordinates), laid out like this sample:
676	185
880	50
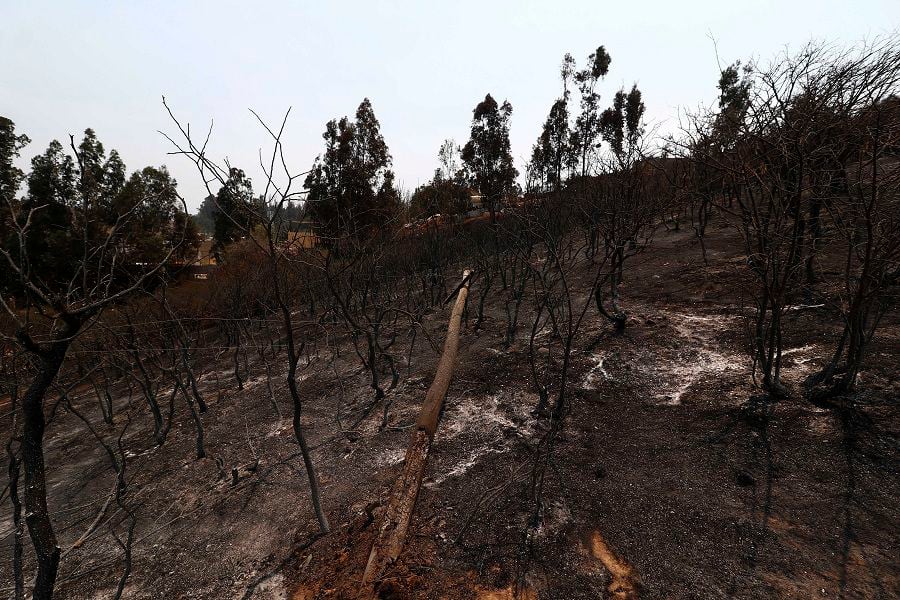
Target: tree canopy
487	154
351	185
236	211
73	203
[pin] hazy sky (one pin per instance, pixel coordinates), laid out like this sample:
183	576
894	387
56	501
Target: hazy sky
71	65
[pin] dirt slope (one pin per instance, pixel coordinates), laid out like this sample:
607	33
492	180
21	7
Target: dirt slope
669	481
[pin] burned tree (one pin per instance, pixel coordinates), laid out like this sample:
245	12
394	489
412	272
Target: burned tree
800	147
268	238
107	257
618	212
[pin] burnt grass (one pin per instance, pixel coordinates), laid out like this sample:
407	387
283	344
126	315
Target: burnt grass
703	488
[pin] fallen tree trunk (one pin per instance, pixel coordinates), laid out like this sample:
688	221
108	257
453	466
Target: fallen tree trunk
391	533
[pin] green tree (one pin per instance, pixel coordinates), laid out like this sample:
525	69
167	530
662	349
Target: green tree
439	196
560	147
91	157
447	192
50	252
351	186
73	203
448	156
10	179
587	125
622	126
113	179
99	179
10	146
157	222
205	219
236	210
487	153
553	148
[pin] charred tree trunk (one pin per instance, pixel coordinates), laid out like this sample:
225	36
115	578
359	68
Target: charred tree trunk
37	516
18	527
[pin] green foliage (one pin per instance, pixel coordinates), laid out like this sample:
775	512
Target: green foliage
150	196
11	178
52	178
734	88
205	219
448	156
599	63
487	153
351	186
587	132
622	125
734	101
80	216
440	196
10	175
92	180
237	211
51	246
448	192
553	150
561	149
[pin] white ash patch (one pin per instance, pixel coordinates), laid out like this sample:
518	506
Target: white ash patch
462	466
700	327
271	588
556	516
145	452
387	458
803	307
597	373
699	356
279	427
481	425
799	364
253	382
798	350
704	358
691	367
471	412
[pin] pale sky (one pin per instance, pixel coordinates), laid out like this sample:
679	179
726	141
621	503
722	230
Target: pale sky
425	65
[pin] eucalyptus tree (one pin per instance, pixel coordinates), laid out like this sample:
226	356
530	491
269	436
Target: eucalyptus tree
11	145
11	177
351	191
587	124
487	154
447	192
448	156
553	148
236	212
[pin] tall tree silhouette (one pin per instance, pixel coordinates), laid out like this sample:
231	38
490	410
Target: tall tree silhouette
235	214
351	185
11	178
487	153
587	125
